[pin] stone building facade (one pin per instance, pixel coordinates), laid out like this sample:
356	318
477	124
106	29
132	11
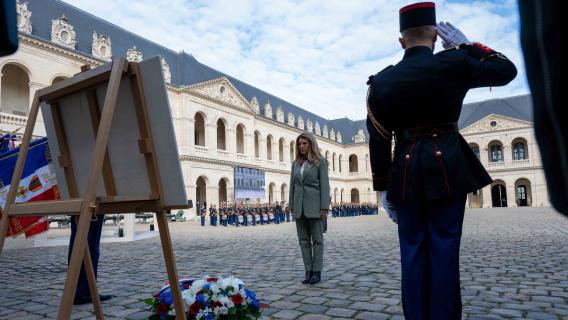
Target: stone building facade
222	123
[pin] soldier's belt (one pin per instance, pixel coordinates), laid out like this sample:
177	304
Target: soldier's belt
432	131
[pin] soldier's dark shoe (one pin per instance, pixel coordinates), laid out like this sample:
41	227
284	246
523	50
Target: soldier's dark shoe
307	278
316	277
87	299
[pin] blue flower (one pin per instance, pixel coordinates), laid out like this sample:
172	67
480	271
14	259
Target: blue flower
201	299
207	286
254	303
167	297
250	294
209	316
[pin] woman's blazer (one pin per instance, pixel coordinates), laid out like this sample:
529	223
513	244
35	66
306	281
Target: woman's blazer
309	193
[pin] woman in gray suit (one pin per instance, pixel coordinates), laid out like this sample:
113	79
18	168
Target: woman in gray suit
309	202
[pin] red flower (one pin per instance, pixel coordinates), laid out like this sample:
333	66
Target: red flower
216	304
237	299
162	307
199	292
194	308
211	279
186	285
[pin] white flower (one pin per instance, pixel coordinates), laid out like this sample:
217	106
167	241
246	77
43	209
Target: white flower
188	297
223	310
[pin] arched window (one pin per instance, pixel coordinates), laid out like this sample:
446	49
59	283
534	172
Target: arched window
58	79
520	149
283	192
292	151
200	194
199	130
475	148
15	93
257	144
340	160
271	187
495	151
281	150
333	162
353	163
354	195
269	147
222	190
366	163
221	145
240	139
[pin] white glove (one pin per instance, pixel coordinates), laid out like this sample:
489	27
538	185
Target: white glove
389	207
451	36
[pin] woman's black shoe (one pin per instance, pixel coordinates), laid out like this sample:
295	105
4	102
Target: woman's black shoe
316	277
307	278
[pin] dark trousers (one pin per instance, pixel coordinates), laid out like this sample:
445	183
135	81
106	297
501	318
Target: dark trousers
94	241
430	234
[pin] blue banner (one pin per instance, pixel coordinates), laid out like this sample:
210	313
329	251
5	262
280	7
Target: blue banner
249	183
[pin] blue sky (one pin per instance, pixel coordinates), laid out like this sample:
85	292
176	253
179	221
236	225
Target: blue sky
315	54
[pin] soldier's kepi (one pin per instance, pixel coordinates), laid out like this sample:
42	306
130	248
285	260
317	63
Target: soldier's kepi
418	102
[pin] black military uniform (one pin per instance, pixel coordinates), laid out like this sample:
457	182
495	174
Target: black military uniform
418	102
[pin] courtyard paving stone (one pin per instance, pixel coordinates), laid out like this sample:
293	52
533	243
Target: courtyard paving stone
513	266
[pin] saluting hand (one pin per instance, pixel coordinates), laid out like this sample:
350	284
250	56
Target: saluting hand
451	36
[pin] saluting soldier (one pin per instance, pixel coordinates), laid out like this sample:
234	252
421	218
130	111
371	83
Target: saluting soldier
418	102
202	215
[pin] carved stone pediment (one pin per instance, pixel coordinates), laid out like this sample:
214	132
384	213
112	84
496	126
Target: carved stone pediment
495	122
62	32
318	129
325	132
101	47
332	134
359	137
310	126
24	17
166	70
221	89
133	55
338	137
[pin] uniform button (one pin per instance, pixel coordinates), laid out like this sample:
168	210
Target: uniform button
438	153
434	135
407	157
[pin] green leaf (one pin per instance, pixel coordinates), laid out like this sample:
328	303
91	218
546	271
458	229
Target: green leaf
149	301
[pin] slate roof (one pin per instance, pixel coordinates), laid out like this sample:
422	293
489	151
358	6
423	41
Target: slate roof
186	70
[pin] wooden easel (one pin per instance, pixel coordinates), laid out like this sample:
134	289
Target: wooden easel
88	205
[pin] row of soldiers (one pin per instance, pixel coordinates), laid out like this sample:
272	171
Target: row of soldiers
245	214
353	209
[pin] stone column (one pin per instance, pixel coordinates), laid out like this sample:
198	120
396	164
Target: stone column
212	193
511	195
486	194
249	145
211	136
261	148
191	136
39	128
231	143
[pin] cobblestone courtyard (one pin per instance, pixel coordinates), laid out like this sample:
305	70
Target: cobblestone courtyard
514	265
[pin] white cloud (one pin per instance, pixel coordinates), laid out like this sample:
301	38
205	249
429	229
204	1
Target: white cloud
314	54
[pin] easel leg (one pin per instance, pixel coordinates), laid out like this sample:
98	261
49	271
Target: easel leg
170	264
77	256
93	290
3	229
